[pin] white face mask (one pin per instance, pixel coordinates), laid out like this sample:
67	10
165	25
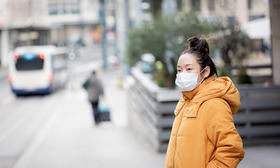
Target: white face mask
187	81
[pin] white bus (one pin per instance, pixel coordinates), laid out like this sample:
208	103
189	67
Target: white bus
37	69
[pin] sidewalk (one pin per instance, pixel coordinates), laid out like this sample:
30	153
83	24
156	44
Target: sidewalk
3	72
261	157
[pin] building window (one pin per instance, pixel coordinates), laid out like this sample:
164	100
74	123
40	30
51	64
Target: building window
255	17
52	6
195	4
232	19
211	5
179	4
249	4
75	7
60	7
64	7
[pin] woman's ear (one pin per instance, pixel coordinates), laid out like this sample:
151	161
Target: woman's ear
206	72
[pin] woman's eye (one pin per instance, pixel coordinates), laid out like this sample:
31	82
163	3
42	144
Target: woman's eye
189	69
178	70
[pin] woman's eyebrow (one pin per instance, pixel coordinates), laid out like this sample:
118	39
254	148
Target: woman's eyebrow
187	65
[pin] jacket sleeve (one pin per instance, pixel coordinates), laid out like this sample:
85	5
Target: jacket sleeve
223	135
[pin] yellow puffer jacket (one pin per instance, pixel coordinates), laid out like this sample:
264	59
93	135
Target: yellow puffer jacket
203	133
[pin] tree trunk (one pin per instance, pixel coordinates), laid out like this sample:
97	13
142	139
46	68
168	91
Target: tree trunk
227	61
156	8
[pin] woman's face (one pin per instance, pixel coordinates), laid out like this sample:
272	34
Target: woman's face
188	63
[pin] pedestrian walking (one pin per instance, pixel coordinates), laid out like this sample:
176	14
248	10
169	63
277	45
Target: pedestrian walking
94	88
203	132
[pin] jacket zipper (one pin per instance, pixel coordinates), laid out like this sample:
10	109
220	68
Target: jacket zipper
177	134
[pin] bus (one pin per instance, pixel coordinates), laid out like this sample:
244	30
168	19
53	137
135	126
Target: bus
37	69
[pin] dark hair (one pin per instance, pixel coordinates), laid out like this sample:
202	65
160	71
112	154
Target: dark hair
93	72
200	48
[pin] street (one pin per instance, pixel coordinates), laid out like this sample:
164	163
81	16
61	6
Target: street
21	119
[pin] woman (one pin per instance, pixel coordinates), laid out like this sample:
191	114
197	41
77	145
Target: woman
203	133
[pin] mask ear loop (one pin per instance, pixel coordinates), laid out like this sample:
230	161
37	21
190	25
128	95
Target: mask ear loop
200	74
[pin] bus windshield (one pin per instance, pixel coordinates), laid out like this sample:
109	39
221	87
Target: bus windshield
24	63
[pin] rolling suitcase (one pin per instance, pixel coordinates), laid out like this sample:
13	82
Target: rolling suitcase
103	112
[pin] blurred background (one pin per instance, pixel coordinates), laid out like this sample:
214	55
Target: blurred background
48	49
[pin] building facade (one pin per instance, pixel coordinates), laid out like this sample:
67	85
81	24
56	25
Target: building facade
241	11
37	22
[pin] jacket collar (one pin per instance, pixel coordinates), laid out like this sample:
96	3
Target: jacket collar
193	106
188	95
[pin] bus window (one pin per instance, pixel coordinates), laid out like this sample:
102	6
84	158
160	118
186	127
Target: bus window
23	63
